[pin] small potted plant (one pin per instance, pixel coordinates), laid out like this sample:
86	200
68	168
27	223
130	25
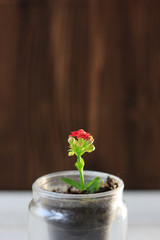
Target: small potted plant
78	205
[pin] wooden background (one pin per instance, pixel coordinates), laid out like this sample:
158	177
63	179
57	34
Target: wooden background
70	64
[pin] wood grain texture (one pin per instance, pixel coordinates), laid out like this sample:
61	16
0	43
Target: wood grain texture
70	64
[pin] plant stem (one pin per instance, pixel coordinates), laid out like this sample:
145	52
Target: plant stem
81	174
82	180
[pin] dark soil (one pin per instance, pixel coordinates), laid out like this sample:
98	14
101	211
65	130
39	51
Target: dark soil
108	185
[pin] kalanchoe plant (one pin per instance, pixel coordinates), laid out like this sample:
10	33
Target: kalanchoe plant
79	143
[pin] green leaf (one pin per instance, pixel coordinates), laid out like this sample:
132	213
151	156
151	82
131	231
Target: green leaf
94	185
82	161
93	180
80	164
71	182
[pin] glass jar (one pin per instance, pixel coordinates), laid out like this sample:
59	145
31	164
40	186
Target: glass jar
60	216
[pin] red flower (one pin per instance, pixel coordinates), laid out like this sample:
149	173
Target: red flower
83	135
75	133
80	134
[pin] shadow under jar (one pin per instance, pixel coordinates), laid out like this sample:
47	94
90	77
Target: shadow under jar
60	216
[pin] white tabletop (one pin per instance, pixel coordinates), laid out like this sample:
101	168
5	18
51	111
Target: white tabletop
143	214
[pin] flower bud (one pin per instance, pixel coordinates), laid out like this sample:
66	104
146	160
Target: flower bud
70	153
91	148
90	139
71	140
79	144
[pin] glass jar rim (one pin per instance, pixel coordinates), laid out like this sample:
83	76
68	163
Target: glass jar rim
55	195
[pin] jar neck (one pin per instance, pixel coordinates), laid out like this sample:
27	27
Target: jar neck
42	188
61	196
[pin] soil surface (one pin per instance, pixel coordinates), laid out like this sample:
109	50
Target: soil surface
108	185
